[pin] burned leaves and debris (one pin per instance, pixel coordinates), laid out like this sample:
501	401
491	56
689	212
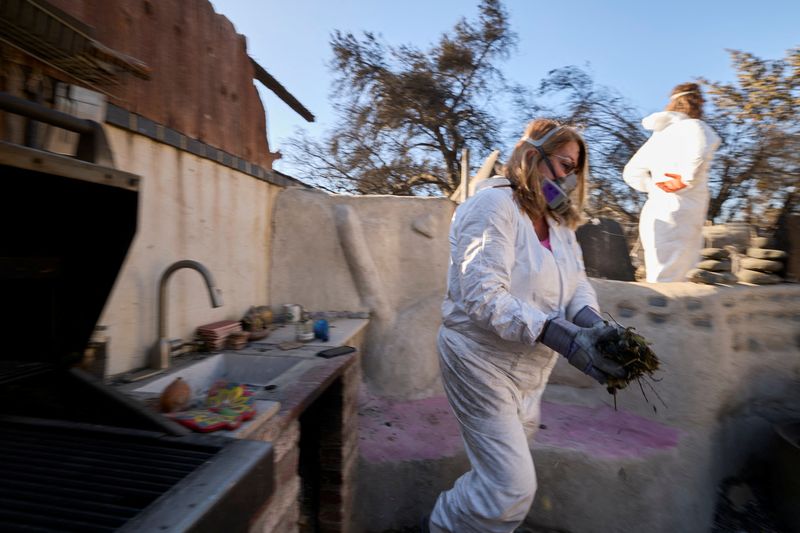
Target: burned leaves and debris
633	352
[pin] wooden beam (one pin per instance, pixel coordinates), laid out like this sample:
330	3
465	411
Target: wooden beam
280	91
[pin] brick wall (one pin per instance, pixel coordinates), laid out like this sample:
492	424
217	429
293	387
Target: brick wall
280	513
339	453
316	456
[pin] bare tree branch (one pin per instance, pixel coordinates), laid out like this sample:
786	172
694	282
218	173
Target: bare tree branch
406	114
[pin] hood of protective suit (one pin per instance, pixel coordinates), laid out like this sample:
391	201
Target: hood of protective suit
494	181
662	119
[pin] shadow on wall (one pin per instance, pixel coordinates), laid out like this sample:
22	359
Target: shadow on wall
384	254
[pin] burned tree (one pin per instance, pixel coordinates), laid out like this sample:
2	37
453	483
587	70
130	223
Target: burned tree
406	113
756	173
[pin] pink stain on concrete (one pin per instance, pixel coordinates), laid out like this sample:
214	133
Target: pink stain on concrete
426	429
407	431
602	432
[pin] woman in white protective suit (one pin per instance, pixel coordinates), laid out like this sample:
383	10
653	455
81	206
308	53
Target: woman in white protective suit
672	168
516	291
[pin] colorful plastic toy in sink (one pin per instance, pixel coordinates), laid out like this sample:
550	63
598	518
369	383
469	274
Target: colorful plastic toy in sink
227	406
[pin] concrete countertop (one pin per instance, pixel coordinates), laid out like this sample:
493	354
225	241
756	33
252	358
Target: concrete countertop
342	331
298	386
290	378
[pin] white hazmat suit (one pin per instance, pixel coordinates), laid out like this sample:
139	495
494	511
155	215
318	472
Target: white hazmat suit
671	223
503	285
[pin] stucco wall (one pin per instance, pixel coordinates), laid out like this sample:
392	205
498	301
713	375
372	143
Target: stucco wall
390	255
721	347
385	254
189	208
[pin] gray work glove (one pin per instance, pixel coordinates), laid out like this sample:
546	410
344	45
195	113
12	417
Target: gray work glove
587	317
577	344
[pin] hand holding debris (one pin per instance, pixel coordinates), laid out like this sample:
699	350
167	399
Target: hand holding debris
633	353
579	346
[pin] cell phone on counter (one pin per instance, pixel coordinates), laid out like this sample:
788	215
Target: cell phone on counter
335	352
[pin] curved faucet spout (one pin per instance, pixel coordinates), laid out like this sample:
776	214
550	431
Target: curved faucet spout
161	350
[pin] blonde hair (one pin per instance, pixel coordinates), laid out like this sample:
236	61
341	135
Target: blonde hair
522	170
687	98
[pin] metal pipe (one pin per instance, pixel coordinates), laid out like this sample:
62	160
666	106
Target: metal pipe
92	144
21	106
464	174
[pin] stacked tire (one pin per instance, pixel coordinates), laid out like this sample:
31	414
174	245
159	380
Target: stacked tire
761	266
714	268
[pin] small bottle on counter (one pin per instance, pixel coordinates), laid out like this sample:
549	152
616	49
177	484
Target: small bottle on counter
293	312
304	329
322	330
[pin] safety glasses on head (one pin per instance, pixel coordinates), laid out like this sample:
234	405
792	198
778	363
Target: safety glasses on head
556	194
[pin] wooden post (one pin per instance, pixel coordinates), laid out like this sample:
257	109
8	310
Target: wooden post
464	174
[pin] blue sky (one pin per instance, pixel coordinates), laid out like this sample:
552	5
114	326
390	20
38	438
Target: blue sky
639	48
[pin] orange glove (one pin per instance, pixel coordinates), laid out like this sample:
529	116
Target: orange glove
673	185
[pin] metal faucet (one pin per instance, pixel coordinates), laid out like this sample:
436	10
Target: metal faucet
163	349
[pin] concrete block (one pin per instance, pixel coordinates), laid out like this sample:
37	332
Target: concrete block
715	265
732	234
579	492
714	253
764	253
708	277
762	265
757	278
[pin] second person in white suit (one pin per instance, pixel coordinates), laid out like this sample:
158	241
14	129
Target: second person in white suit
672	168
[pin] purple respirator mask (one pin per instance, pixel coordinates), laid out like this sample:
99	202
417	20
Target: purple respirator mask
556	192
